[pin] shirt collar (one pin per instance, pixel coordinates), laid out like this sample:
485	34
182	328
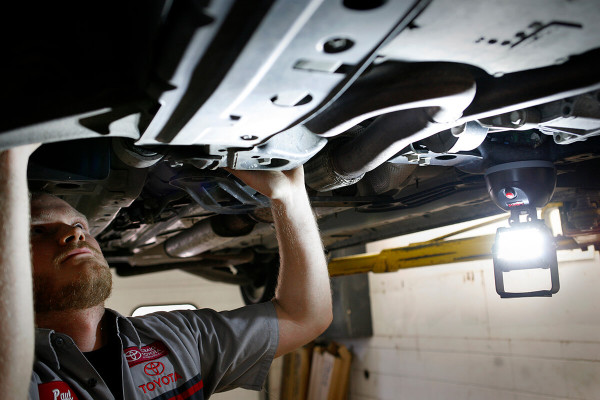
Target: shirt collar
44	348
125	327
47	339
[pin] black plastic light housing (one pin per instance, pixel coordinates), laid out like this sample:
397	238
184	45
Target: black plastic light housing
521	187
521	184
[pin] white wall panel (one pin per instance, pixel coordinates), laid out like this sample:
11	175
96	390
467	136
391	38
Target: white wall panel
443	333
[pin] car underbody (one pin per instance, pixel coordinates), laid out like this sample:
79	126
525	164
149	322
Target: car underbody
396	109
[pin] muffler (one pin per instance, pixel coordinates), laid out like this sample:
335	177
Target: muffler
204	236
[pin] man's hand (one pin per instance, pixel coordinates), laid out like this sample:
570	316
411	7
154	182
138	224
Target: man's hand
303	298
276	185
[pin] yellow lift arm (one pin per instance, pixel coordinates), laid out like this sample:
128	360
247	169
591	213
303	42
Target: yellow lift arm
433	252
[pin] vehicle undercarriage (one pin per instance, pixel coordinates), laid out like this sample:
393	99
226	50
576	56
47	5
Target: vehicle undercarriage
395	109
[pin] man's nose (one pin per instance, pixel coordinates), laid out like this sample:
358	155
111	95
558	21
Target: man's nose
71	234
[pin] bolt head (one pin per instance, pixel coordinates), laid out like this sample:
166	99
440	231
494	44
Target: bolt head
337	45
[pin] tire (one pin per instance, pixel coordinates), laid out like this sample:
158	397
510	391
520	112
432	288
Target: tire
263	285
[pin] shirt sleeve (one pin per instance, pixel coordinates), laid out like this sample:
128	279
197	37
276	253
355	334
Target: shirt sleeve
236	347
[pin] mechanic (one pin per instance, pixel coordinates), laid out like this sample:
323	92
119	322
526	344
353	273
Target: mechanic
84	351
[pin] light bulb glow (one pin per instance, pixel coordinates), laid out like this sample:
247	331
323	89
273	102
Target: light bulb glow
521	244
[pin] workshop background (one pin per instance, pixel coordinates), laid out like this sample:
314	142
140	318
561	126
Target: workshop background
442	332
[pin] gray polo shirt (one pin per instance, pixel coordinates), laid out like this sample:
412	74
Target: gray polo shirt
167	355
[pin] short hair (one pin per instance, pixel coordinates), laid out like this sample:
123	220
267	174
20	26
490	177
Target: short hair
34	194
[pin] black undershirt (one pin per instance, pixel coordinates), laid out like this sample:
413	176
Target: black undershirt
107	361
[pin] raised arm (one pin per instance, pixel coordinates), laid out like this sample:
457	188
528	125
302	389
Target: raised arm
16	298
303	296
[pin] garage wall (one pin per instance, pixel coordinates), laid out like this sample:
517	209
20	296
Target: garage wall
443	333
177	287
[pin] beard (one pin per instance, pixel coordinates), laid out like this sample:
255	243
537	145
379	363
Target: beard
92	288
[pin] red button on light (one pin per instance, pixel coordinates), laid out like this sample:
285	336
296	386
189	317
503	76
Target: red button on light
510	194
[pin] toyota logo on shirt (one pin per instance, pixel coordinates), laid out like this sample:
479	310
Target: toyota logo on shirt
133	355
154	368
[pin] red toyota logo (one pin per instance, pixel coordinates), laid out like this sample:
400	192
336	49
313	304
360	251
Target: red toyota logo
133	355
154	368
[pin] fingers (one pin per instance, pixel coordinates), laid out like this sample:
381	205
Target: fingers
273	184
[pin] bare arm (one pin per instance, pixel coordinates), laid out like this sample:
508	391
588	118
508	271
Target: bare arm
16	298
303	298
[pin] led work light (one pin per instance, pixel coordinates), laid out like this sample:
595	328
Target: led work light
525	245
521	187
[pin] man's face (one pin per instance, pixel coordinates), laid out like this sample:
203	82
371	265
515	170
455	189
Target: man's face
69	270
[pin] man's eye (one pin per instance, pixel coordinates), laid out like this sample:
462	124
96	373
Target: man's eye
37	230
80	226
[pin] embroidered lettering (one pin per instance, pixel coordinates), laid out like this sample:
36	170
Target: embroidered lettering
62	396
56	390
135	356
159	382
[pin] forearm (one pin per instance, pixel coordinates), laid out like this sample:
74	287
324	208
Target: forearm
16	299
303	295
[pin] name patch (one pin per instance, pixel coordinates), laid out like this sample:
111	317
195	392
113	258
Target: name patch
57	390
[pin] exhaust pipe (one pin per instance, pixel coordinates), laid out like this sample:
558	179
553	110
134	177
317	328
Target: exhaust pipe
201	237
416	104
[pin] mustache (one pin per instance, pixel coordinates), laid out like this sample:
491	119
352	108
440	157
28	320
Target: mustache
65	253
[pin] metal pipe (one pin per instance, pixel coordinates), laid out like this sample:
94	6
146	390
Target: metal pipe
201	237
193	241
435	101
381	140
